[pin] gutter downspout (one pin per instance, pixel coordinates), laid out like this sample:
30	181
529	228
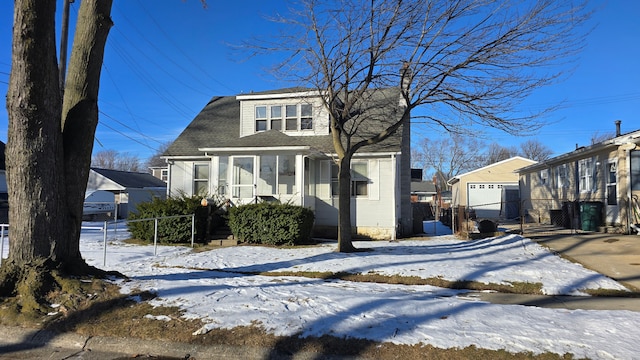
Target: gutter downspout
169	166
394	218
629	194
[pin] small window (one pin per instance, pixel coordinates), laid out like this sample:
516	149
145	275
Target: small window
359	179
164	175
472	186
261	118
291	122
306	119
201	179
586	171
481	186
490	186
276	118
562	178
544	176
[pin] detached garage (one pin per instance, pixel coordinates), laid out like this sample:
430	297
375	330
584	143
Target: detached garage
492	191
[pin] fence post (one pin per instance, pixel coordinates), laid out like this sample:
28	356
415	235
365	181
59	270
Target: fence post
193	228
104	241
2	245
155	236
115	220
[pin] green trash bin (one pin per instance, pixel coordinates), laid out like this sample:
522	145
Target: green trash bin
590	215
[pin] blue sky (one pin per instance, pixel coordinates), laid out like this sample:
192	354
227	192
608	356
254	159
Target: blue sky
165	59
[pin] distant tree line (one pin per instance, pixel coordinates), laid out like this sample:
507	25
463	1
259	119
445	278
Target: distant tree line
446	158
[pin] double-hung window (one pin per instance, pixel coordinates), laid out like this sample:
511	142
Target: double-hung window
359	179
261	118
586	172
562	176
296	117
306	117
276	118
201	179
544	176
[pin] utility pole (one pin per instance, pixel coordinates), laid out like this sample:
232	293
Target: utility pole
64	36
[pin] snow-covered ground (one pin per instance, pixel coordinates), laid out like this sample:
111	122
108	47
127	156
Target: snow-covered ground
216	287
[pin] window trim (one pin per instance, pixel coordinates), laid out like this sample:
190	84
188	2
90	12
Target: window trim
356	179
303	122
197	180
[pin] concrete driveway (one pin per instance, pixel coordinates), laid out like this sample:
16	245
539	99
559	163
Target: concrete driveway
614	255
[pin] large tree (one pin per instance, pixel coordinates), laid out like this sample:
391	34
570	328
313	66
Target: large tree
535	150
452	156
50	140
465	62
112	159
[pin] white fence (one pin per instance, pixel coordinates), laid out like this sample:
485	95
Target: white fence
4	231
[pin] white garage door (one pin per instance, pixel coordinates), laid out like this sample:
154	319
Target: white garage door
485	199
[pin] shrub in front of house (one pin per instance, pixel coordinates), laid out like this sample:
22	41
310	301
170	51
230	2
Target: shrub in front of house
172	230
271	224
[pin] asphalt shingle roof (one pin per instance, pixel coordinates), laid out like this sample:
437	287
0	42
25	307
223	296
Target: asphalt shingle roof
129	179
218	126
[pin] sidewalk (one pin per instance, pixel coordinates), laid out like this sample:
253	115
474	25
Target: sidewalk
18	343
614	255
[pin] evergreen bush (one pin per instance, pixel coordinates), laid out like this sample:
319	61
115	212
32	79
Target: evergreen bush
271	223
173	230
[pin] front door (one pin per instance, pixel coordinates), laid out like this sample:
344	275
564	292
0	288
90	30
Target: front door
612	192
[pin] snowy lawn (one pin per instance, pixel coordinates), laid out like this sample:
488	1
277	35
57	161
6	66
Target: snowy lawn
214	286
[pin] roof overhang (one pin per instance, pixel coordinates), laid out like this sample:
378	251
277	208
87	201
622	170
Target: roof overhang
264	96
254	149
625	142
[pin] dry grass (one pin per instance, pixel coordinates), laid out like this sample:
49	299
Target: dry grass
96	308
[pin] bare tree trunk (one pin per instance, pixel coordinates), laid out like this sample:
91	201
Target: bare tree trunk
49	150
80	113
34	146
344	205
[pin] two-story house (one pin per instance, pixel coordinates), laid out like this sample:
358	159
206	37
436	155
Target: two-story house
605	176
276	145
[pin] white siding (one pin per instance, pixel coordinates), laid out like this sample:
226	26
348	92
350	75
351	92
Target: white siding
320	115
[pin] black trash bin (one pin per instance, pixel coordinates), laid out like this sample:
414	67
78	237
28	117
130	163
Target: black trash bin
590	215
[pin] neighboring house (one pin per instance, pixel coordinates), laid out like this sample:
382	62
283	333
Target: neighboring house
276	145
130	188
423	191
605	175
492	191
160	172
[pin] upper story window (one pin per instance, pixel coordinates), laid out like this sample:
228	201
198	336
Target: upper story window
261	118
296	117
